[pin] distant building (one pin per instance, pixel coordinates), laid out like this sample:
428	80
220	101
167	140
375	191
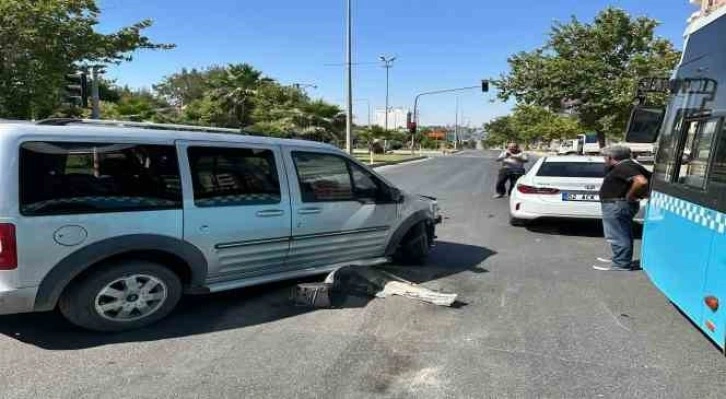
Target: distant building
707	7
396	117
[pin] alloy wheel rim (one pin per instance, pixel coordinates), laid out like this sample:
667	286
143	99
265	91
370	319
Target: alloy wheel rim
130	298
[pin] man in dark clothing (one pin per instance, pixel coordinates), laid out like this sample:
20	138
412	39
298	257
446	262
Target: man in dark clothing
624	186
513	160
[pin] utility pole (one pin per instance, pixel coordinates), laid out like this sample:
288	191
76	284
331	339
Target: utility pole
95	97
456	125
388	64
349	79
368	103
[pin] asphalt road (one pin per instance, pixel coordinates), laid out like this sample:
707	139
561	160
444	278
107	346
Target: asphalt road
535	321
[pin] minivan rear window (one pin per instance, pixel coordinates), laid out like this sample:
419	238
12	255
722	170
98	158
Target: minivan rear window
572	169
69	178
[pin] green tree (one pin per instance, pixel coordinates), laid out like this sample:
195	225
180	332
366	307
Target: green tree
591	66
500	130
42	41
530	123
240	96
321	118
534	123
274	101
234	91
140	105
188	85
366	137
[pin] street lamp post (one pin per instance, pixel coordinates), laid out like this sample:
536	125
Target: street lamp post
388	64
349	79
303	86
415	105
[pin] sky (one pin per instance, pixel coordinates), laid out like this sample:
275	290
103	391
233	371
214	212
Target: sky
438	44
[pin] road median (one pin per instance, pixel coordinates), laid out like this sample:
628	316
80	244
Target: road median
388	159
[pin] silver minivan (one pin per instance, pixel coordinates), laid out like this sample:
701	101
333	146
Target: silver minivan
112	222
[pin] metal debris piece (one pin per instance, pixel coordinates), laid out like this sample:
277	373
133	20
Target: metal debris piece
312	294
414	291
372	281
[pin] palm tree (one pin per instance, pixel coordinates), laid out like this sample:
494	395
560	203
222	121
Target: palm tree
325	120
234	90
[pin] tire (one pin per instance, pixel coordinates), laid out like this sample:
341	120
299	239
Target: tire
415	246
121	287
517	222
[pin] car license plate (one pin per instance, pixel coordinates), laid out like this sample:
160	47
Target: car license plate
580	197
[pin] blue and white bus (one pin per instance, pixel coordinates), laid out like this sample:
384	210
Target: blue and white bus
684	236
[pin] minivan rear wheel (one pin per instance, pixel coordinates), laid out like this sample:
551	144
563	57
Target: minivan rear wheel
121	296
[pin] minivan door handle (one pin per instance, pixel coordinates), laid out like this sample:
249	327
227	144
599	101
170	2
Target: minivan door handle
270	213
309	211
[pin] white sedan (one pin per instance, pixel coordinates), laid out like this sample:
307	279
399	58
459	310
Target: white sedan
560	187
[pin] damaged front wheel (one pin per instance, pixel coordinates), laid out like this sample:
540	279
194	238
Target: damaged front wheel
415	246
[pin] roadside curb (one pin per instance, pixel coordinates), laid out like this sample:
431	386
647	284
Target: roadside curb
379	164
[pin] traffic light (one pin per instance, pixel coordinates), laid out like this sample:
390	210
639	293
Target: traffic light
484	85
410	123
75	90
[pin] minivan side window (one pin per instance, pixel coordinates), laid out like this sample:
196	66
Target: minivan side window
365	185
326	177
323	177
70	178
233	176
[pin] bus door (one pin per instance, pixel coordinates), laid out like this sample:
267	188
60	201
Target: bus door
678	235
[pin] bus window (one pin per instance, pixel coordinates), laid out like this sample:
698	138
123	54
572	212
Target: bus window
717	177
697	151
666	157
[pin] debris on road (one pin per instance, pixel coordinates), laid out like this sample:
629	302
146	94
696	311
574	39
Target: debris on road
414	291
365	281
312	294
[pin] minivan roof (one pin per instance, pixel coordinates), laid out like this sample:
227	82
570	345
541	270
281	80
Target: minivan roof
22	130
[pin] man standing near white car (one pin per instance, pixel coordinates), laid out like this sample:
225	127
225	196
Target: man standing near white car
625	184
513	160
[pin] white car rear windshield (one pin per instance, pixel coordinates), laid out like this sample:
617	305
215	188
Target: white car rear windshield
572	169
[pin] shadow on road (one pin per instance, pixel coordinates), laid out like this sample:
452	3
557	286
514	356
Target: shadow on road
573	227
227	310
446	259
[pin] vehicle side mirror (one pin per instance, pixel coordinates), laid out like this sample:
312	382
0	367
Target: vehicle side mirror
395	195
644	125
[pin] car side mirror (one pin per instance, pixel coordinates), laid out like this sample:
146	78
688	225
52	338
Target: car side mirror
394	195
644	125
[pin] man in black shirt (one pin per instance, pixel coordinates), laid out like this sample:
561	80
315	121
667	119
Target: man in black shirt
624	186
